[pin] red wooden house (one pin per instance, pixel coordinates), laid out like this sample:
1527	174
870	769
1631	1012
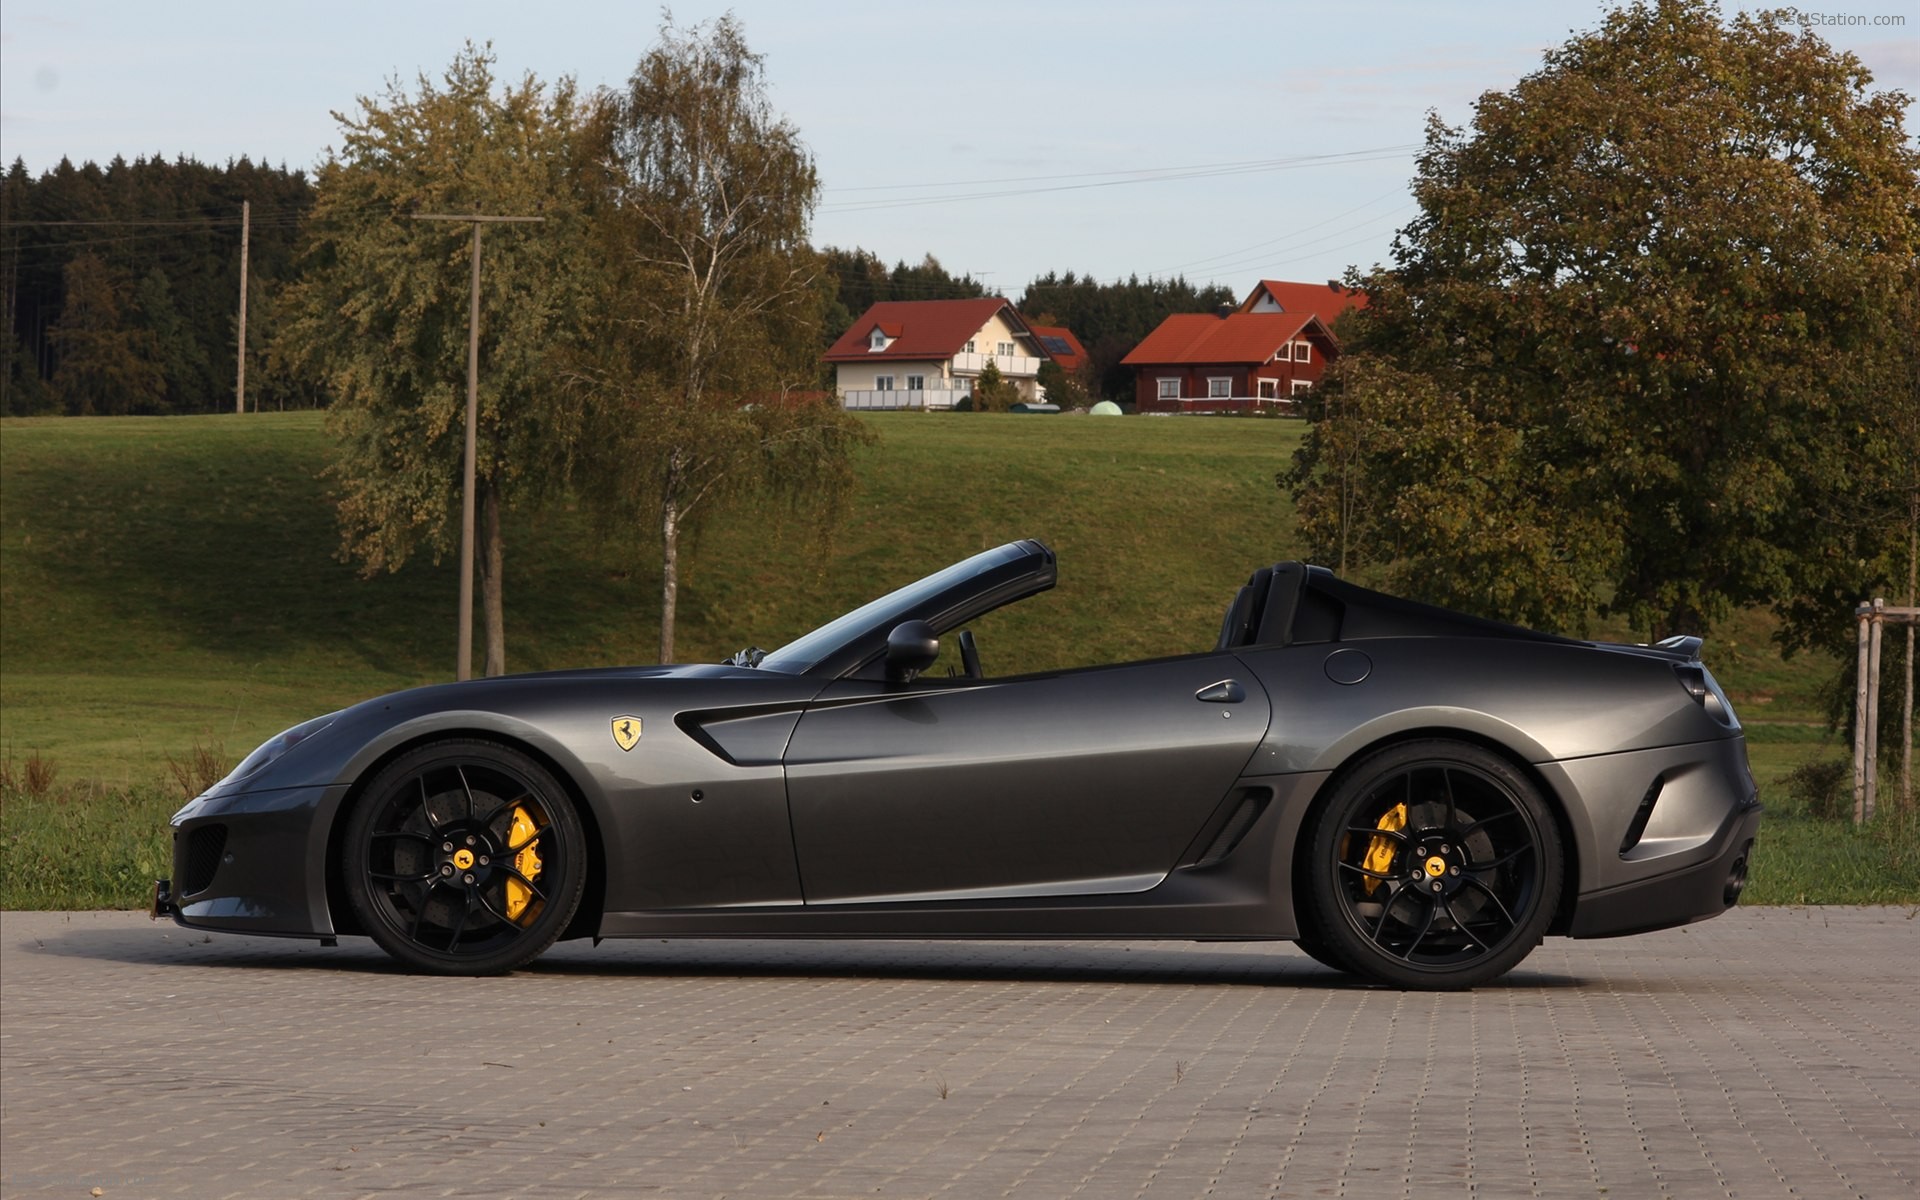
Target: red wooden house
1276	345
1223	362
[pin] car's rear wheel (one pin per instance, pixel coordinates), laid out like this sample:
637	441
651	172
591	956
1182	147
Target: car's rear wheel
1433	865
464	857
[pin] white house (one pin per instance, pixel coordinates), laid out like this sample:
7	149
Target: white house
927	353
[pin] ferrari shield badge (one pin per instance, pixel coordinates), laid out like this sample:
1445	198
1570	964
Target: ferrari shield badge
626	732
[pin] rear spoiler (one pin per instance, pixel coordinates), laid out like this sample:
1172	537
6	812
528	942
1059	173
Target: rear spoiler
1685	644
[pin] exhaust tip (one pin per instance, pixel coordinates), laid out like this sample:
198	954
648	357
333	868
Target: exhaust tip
1736	877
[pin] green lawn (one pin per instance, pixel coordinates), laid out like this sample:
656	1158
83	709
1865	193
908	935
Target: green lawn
171	585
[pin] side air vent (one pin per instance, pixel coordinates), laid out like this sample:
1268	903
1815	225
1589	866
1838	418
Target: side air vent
1252	804
1637	828
205	845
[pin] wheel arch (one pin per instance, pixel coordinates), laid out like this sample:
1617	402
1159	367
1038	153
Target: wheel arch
1555	802
586	919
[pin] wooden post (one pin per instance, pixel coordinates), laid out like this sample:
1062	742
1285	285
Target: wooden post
463	668
1860	720
1876	623
240	371
1912	613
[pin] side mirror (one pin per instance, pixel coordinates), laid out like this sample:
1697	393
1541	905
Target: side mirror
911	649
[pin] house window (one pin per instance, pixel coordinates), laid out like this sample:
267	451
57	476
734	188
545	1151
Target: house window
878	341
969	349
1302	385
1269	389
883	383
1169	389
1219	387
916	383
1303	352
1003	349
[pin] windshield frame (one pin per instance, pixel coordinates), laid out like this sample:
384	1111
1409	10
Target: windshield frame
944	599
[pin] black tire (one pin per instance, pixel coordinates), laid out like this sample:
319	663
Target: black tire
1433	865
464	857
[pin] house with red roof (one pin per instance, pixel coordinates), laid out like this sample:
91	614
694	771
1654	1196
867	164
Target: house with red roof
1324	300
1228	361
1273	347
1059	344
928	353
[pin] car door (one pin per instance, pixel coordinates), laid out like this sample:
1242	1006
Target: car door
1078	782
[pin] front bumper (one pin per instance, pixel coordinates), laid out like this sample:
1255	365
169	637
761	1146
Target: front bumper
252	862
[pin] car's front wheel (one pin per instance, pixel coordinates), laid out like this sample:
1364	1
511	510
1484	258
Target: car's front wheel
1433	865
464	857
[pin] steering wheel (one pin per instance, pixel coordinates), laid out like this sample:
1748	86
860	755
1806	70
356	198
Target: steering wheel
969	654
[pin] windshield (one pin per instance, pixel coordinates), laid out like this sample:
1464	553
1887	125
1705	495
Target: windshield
799	656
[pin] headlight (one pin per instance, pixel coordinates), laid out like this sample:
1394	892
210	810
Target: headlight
274	747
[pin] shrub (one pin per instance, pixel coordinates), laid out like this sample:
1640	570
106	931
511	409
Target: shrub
33	777
1823	788
198	770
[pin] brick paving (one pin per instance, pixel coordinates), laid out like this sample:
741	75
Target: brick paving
1771	1052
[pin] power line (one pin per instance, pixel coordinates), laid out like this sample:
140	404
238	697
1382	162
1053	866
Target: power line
1247	260
1380	154
1147	174
1291	233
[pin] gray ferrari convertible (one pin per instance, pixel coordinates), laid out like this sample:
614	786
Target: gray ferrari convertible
1408	794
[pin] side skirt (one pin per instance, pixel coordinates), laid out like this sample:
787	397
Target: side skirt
1245	895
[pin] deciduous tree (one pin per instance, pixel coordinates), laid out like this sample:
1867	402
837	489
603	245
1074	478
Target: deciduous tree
1062	388
379	316
713	303
1614	364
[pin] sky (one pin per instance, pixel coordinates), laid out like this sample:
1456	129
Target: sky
1224	140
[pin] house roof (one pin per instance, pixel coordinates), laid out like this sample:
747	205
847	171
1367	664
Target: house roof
921	329
1239	337
1058	343
1324	300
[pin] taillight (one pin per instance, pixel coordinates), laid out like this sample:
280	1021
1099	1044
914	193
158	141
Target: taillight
1693	677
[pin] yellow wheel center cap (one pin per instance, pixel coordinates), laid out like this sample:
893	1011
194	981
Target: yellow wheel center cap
464	859
1436	867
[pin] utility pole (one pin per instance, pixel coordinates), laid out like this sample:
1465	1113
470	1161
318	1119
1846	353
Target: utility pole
463	668
240	371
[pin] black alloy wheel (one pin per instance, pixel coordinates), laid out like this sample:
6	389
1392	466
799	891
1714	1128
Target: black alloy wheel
1433	865
464	857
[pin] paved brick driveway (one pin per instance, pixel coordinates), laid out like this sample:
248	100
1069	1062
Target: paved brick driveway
1772	1052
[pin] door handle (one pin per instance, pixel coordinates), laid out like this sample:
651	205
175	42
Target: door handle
1227	691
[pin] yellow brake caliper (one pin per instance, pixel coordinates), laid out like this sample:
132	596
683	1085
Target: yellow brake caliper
527	862
1379	859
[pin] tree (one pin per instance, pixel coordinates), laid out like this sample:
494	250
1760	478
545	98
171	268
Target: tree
1870	520
1062	388
185	259
182	359
713	303
1625	326
992	393
106	364
379	315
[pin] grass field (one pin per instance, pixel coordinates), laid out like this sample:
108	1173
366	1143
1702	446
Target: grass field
170	586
